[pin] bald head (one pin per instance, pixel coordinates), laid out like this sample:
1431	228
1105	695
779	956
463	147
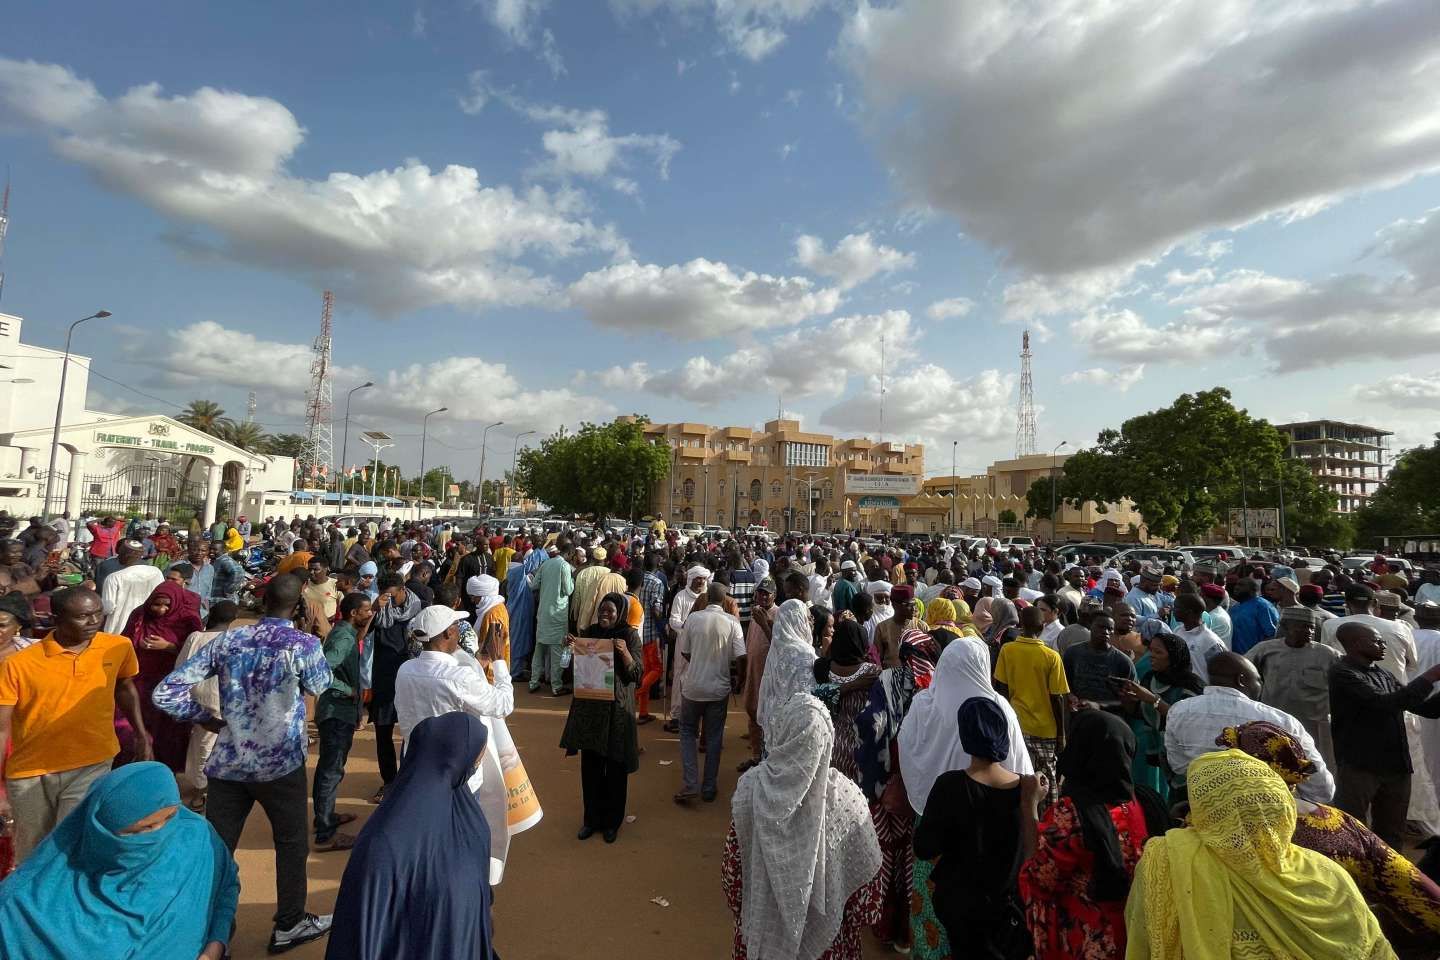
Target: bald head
1229	669
1361	642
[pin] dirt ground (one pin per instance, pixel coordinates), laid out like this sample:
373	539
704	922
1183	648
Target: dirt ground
666	852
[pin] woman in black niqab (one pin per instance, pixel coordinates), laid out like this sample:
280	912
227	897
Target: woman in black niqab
417	886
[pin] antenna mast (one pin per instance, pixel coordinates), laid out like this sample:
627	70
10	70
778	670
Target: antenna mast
250	408
1025	419
317	457
881	438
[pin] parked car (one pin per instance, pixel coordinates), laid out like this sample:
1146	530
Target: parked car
1153	553
1024	543
1074	551
1230	553
1356	563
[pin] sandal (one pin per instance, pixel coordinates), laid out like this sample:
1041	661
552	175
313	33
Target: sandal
340	841
747	765
645	718
684	798
343	818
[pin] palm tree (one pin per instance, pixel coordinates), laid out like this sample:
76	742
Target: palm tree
246	436
207	416
286	445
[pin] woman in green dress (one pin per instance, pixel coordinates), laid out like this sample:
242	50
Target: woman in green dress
1166	677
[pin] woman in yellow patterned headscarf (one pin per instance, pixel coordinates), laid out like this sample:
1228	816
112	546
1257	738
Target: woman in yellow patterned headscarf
1232	885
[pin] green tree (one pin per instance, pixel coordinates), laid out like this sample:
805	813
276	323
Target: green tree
245	435
604	470
285	445
207	416
1007	516
1409	500
1184	466
1039	496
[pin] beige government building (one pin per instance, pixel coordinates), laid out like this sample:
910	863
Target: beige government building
782	477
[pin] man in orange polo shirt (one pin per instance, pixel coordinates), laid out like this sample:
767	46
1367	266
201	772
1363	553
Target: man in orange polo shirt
57	710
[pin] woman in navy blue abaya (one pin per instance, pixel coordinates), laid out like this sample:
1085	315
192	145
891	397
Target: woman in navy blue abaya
417	884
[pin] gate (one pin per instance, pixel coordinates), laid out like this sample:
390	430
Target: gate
147	487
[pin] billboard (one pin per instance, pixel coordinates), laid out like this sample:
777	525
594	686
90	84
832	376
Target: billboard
882	485
1260	522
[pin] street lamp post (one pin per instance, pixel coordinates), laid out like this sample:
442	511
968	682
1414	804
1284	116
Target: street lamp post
515	459
954	449
480	482
424	431
1054	465
60	407
345	443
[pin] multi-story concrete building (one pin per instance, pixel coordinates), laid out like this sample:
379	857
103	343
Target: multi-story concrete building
780	477
1348	458
980	499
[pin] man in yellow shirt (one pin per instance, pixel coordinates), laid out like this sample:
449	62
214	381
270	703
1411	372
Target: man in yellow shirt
503	556
57	716
1032	677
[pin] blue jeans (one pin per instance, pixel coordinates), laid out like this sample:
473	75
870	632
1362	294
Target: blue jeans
691	712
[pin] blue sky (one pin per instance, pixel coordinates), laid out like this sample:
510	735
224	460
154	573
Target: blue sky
542	212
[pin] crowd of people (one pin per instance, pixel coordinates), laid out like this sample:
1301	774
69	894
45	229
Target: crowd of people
994	753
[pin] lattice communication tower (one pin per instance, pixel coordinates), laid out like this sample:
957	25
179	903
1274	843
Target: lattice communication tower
4	221
317	458
1025	417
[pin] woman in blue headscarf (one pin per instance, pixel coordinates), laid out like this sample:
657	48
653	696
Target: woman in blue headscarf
417	886
130	873
520	604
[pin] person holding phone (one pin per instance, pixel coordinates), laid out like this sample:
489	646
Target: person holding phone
1096	670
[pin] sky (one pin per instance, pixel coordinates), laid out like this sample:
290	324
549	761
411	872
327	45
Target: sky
543	212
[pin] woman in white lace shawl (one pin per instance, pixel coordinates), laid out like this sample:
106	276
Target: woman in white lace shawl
801	861
790	665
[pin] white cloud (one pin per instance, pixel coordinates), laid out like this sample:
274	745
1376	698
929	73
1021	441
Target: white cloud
682	65
1403	390
1240	290
1112	165
1120	378
701	299
207	352
519	21
1124	336
1047	295
418	23
788	148
1179	278
783	365
927	403
950	308
579	143
855	259
752	28
793	97
478	390
398	239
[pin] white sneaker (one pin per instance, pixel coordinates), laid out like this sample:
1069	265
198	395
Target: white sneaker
309	928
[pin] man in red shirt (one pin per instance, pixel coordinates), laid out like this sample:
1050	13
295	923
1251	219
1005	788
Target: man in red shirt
107	534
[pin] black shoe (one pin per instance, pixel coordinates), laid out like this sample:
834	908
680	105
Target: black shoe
610	835
586	832
708	796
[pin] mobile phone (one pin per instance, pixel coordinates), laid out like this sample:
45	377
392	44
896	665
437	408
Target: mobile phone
1116	683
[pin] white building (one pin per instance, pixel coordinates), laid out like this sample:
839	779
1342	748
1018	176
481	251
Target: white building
109	463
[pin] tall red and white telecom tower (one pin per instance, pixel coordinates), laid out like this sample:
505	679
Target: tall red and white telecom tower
317	457
1025	416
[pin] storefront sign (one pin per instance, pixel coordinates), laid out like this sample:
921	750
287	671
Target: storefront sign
870	503
904	485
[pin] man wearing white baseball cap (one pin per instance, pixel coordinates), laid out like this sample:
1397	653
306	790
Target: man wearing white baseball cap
436	682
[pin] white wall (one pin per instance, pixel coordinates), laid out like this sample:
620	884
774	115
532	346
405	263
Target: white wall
28	406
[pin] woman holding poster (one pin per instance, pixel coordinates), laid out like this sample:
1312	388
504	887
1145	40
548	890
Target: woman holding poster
601	725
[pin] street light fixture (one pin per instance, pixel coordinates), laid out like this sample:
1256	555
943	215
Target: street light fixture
18	380
480	480
1054	465
60	407
954	449
514	459
424	431
345	443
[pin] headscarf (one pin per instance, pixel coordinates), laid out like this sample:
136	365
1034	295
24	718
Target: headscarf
878	723
369	569
982	615
233	541
805	835
789	666
940	612
621	630
1094	773
983	730
18	606
1003	616
177	623
928	742
760	567
847	648
486	591
1181	672
420	870
1235	868
88	890
963	618
1271	745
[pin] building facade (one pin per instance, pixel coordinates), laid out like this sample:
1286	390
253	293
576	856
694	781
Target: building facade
979	500
1349	459
779	477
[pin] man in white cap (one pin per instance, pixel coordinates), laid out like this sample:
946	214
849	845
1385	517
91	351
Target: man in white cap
697	579
437	683
1144	595
846	587
593	584
492	619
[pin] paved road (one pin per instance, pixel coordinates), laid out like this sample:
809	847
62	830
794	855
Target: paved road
561	898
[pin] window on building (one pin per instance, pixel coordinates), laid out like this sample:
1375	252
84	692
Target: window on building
688	489
688	515
806	455
755	490
775	489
